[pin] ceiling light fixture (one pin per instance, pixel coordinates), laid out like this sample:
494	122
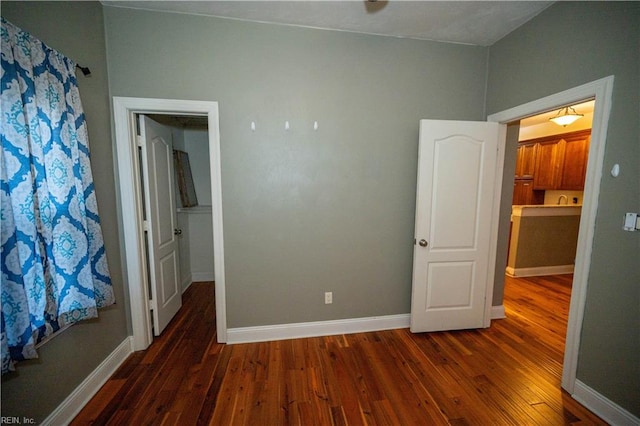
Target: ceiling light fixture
564	117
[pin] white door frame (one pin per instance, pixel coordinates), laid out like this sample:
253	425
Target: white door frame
131	205
600	90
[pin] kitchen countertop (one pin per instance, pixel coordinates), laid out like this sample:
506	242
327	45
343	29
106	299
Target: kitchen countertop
547	210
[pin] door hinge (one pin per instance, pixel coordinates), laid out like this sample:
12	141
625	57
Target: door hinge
152	304
139	141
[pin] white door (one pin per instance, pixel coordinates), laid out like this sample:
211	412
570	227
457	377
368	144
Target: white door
454	207
161	222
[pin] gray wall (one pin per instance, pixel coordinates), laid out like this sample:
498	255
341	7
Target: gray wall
308	212
504	227
567	45
39	386
305	212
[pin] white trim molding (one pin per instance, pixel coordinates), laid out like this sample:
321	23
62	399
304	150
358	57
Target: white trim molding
539	271
497	312
316	328
81	395
601	91
124	110
202	276
608	410
186	282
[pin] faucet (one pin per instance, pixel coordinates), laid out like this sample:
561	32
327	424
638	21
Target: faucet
566	200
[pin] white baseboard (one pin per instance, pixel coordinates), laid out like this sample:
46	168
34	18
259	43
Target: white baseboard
202	276
608	410
497	312
186	282
72	405
539	270
316	328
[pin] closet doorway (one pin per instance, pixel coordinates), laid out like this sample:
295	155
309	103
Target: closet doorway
132	211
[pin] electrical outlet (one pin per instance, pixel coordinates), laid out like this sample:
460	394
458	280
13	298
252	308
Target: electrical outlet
328	298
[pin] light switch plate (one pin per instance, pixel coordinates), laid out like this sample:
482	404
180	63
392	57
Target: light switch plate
630	221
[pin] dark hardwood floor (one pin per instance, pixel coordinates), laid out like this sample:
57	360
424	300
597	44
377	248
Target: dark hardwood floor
508	374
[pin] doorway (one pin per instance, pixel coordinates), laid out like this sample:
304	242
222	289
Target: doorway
601	91
550	170
131	205
190	142
548	191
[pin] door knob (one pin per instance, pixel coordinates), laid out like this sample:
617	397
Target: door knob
423	243
177	231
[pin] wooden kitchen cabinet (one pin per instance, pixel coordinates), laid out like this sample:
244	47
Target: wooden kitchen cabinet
523	193
526	161
574	162
561	161
547	169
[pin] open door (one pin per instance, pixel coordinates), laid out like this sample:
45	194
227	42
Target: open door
454	208
161	222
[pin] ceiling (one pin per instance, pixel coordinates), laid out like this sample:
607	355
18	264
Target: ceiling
584	108
469	22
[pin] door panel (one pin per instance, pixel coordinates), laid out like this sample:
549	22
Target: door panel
454	213
168	276
163	258
454	208
161	166
449	287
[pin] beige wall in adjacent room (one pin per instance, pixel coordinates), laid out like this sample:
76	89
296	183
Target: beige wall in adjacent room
539	241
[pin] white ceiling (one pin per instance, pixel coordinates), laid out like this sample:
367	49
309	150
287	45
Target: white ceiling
470	22
585	108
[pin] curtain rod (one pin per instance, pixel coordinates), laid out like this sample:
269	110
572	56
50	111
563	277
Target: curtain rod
85	70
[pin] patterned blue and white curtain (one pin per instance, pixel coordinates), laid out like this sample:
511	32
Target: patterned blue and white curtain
54	267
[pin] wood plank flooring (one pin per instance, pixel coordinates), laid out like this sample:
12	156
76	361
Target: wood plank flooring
508	374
